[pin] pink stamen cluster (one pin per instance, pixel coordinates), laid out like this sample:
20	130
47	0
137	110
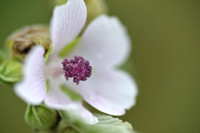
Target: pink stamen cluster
78	68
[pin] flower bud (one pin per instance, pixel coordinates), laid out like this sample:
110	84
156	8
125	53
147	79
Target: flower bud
40	117
95	8
22	40
10	71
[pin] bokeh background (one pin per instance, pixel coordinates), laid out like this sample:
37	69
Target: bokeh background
165	61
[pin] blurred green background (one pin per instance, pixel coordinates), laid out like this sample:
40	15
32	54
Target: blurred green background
165	61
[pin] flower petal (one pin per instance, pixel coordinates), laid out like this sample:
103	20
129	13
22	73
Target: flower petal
84	114
33	87
57	99
109	91
67	22
105	42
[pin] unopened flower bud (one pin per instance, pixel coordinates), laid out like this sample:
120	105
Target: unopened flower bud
40	117
95	8
22	40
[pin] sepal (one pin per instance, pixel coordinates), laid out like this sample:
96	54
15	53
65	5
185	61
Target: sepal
106	124
40	117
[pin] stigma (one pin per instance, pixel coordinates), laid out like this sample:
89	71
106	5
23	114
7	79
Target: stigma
77	68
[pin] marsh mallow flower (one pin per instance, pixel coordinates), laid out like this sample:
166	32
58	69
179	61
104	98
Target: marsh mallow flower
89	70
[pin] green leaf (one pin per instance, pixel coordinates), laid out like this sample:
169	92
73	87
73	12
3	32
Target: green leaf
68	48
70	93
10	71
106	124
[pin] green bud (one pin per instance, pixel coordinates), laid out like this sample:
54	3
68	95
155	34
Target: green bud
40	117
95	8
10	71
22	40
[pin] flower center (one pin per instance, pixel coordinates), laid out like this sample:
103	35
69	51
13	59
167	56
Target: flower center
78	68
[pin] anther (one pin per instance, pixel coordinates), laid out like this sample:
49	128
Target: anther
78	68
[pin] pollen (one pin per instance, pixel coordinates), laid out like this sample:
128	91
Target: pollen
77	68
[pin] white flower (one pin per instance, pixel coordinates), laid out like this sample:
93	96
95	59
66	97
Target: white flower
105	44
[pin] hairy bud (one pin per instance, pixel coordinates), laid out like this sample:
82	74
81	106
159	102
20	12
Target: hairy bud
22	40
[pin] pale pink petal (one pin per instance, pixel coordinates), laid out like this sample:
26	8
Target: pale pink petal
84	114
67	22
32	88
104	43
109	91
57	99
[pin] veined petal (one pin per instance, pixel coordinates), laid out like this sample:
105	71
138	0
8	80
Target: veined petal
104	43
57	99
33	87
83	113
110	91
67	22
